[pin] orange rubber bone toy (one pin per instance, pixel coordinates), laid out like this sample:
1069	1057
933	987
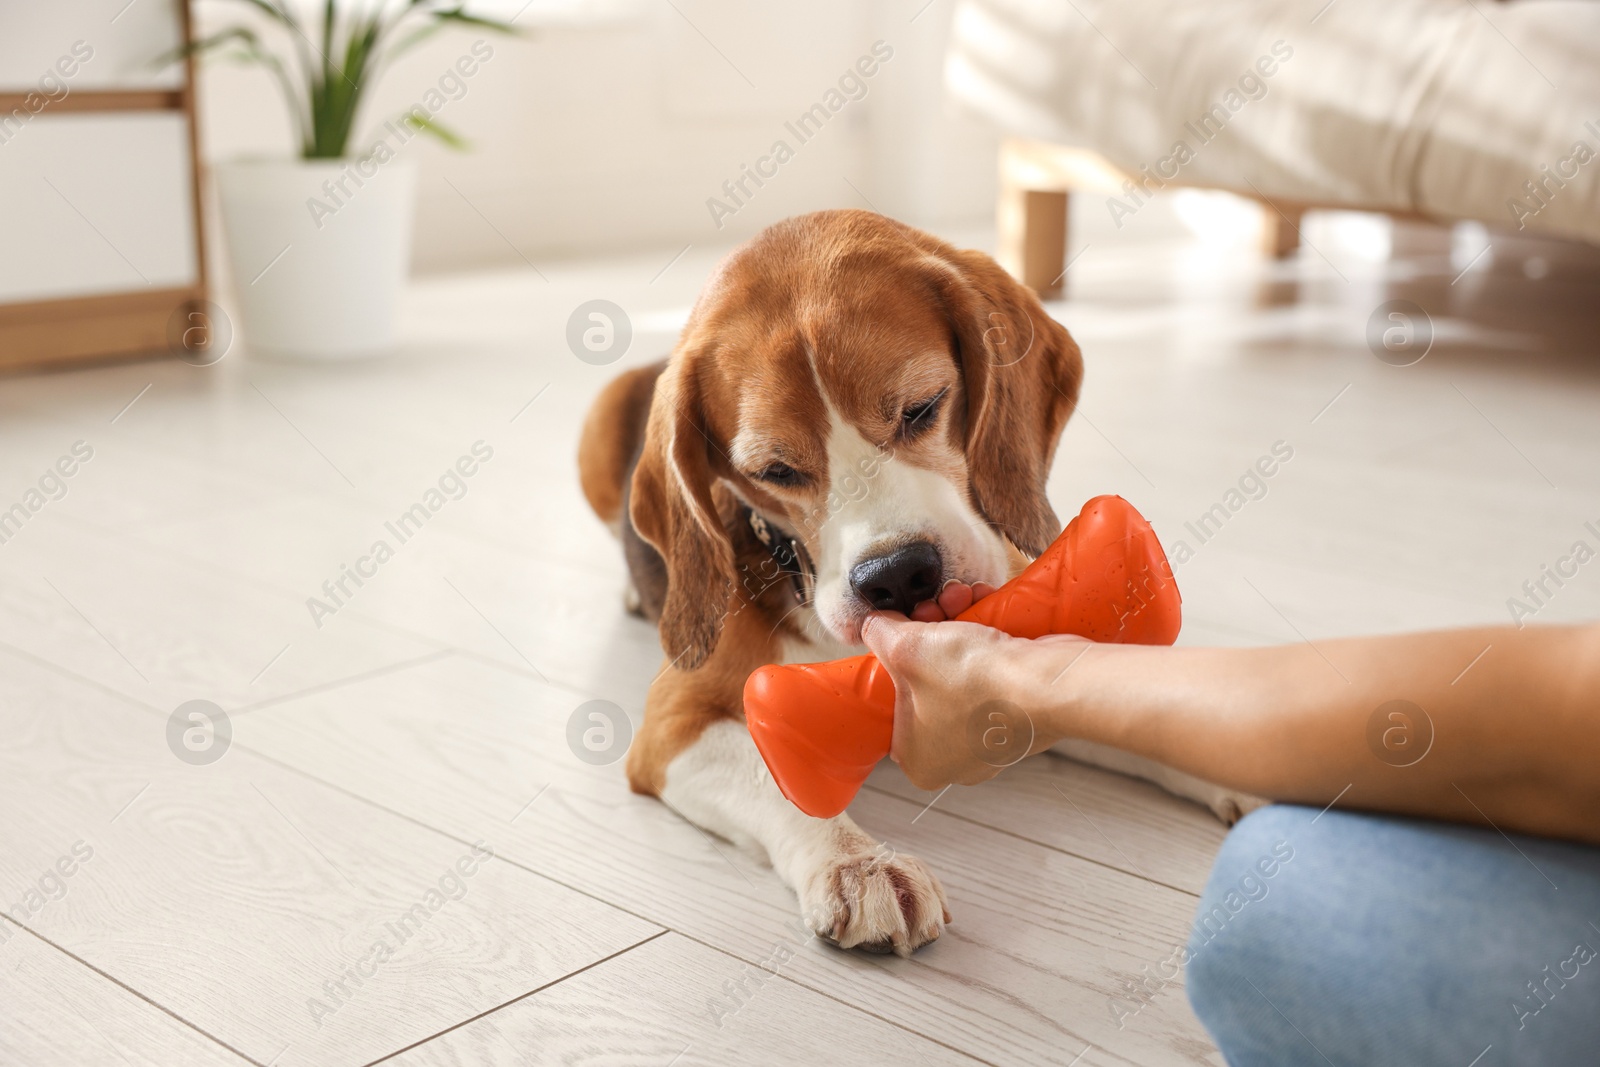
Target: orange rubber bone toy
822	727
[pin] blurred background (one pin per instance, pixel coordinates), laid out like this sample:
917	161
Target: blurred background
270	282
596	127
607	125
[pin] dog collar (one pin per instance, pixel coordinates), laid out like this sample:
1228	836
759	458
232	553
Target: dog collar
785	551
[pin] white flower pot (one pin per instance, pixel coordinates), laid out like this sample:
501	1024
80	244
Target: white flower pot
320	250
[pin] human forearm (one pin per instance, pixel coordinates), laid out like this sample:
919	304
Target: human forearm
1514	738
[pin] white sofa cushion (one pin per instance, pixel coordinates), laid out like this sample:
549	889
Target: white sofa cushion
1444	107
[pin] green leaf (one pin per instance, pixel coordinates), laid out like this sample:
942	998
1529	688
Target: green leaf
281	15
247	50
457	14
206	44
436	129
325	113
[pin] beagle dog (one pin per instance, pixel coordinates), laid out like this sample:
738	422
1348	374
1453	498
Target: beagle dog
855	413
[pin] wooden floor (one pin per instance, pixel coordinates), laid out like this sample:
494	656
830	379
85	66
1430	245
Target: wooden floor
233	911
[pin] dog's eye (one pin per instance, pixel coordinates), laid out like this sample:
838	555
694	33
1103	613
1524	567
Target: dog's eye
920	416
779	474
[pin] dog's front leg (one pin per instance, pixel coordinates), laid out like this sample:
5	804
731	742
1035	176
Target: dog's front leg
698	757
852	889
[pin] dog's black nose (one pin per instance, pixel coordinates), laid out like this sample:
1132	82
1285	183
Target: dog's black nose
901	579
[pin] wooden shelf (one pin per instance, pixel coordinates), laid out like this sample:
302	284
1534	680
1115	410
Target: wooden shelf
120	325
116	325
90	100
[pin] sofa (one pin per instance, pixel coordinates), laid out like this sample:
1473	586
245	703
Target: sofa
1444	110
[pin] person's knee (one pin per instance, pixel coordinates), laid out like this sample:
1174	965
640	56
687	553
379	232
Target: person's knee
1329	936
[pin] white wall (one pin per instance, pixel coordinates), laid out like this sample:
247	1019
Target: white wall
610	130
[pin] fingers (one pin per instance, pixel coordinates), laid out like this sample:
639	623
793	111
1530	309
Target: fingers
954	598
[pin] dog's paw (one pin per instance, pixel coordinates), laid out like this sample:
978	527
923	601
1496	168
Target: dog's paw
875	901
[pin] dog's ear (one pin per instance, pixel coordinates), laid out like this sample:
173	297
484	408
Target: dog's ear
671	507
1021	372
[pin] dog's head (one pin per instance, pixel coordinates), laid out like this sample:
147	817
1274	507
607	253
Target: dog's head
889	401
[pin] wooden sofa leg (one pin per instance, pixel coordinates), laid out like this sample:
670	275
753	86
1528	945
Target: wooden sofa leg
1033	238
1280	230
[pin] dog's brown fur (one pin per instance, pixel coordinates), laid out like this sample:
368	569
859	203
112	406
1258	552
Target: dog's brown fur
877	316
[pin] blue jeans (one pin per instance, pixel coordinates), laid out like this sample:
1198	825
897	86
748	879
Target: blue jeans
1338	939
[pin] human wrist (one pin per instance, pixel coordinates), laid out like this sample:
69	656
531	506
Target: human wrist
1033	674
1088	691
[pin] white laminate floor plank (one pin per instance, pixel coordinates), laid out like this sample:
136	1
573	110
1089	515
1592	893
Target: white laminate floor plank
1110	818
674	1001
157	628
117	487
57	1010
1041	941
241	897
443	587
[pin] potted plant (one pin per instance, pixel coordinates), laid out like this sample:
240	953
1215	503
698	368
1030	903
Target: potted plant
320	244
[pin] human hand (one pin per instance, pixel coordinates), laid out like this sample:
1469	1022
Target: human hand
964	693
